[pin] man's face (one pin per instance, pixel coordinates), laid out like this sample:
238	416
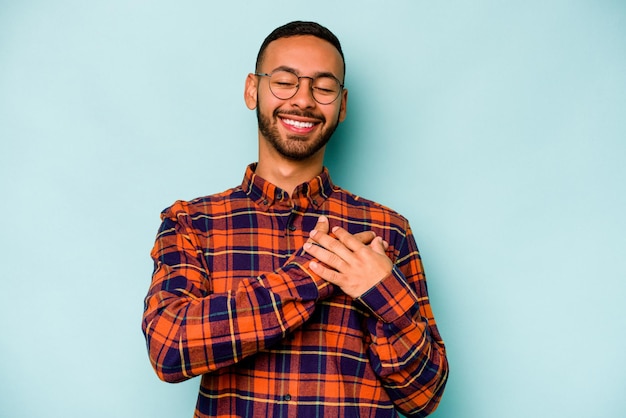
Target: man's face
297	128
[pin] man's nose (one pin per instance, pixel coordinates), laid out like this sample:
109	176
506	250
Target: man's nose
304	96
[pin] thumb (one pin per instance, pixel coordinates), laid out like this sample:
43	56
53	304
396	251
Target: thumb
379	245
322	224
365	237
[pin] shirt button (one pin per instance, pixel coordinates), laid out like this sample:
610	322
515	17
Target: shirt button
287	397
265	202
291	227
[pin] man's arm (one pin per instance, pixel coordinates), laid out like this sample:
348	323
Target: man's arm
190	330
405	348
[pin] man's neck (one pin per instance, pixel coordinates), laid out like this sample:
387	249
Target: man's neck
289	174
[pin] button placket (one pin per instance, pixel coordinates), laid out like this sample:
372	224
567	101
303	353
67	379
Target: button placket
291	221
293	216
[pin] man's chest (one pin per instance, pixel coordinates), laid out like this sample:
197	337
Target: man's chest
247	244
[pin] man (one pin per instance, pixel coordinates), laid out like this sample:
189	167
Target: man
289	295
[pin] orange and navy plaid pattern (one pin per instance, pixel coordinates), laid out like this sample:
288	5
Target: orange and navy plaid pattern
233	299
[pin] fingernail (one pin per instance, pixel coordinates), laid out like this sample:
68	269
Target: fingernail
312	233
307	246
322	218
313	264
335	228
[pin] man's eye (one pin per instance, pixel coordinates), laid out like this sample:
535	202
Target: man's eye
326	92
284	84
326	85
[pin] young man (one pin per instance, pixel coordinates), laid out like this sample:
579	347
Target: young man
289	295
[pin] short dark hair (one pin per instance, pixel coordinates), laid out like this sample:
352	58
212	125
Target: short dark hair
300	28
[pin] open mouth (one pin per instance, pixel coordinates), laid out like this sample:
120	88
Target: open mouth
298	125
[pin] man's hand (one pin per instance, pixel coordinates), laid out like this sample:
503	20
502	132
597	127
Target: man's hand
365	237
355	263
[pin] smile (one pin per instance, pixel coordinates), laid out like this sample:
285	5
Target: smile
298	124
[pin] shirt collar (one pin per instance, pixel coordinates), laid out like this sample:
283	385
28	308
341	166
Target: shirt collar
265	194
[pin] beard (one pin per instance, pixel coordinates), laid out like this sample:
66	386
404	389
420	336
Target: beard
294	147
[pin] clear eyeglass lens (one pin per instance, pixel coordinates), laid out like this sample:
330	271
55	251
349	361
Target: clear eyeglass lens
285	84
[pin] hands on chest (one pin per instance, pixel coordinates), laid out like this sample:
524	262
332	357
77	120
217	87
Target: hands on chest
354	262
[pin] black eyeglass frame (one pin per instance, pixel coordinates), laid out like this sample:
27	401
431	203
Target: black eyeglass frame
298	85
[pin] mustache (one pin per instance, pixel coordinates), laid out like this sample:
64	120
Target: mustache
301	113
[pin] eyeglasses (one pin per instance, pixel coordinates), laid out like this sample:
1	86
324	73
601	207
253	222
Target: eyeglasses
285	84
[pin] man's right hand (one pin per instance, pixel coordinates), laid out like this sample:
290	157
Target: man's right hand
366	237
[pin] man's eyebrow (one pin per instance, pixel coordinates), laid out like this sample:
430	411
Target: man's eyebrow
296	72
285	68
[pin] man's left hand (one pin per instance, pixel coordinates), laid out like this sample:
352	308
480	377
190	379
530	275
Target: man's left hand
347	262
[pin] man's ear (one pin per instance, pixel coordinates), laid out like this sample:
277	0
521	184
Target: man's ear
250	91
344	105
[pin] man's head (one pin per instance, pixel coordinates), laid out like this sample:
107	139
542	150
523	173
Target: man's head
297	126
300	28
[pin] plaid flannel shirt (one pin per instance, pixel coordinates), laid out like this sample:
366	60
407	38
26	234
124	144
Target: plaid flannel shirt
233	299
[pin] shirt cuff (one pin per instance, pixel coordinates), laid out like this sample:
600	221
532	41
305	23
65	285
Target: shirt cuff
391	298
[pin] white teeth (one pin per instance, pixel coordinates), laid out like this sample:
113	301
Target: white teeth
298	124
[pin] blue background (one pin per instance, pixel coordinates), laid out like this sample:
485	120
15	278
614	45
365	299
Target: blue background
498	128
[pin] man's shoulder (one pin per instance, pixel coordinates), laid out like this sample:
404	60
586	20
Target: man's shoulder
374	208
209	204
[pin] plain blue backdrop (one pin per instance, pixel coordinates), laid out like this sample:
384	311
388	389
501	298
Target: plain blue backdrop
498	128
